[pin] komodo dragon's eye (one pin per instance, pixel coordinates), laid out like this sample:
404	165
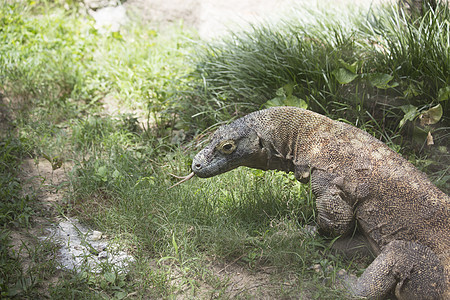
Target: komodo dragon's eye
226	147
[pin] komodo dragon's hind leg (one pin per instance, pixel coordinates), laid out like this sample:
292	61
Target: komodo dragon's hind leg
335	216
413	271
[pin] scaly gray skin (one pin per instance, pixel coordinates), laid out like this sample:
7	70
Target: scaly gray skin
357	180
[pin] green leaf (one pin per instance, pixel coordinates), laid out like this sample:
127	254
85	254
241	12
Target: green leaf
281	92
289	89
116	35
431	116
351	67
287	101
344	76
294	101
410	112
411	91
102	172
285	97
381	80
419	135
444	93
110	277
116	174
278	101
121	295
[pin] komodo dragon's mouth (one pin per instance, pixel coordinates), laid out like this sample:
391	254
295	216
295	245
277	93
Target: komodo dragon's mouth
183	179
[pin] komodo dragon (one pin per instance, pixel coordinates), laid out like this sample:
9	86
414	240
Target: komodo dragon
356	179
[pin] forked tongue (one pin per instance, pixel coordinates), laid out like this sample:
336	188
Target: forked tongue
183	179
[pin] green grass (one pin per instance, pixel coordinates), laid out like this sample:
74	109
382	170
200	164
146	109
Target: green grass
56	71
259	224
253	217
14	206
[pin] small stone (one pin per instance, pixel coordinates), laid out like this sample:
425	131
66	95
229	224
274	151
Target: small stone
96	235
317	268
103	255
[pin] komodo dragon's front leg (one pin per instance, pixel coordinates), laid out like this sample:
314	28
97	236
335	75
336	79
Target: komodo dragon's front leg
335	216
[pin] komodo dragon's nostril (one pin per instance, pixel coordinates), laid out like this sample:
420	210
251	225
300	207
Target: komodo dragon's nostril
198	166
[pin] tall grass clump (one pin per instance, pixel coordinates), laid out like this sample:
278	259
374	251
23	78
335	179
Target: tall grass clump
379	70
291	62
415	50
247	69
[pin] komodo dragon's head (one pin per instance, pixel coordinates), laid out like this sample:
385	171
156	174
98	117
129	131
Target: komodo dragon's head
231	146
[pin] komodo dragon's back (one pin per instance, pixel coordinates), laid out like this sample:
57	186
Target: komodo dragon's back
357	180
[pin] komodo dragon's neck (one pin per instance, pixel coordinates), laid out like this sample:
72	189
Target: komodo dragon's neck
284	131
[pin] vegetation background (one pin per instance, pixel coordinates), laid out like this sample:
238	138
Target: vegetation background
244	234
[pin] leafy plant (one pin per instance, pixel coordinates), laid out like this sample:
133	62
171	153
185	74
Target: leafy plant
285	97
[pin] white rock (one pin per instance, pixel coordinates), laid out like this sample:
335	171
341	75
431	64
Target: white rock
76	251
96	235
109	19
